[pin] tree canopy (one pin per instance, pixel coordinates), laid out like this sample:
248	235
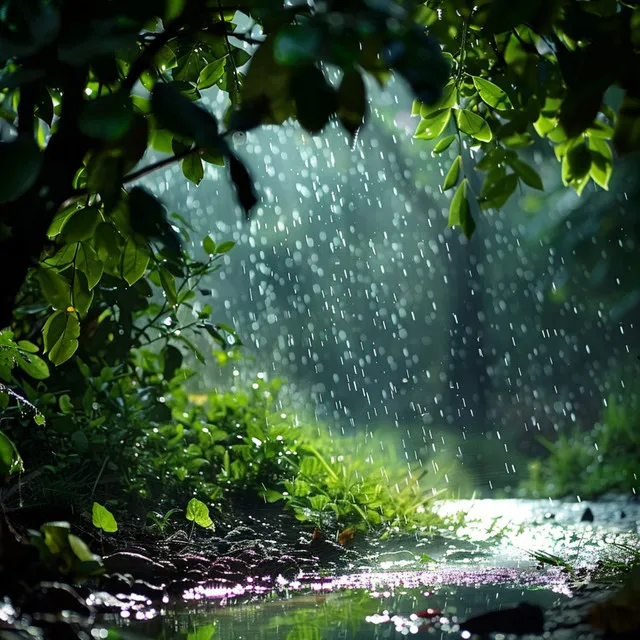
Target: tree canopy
88	88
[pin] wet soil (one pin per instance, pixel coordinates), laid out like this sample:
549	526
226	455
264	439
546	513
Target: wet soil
261	579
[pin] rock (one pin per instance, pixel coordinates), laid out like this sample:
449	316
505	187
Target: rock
525	618
117	583
285	566
241	533
587	515
55	597
138	565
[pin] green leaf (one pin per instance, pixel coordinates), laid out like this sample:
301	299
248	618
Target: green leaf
82	295
433	125
576	163
33	366
352	101
473	125
443	145
193	169
148	218
60	334
243	184
449	99
172	359
168	283
460	212
135	260
106	118
198	512
178	114
601	161
211	74
209	245
81	225
103	519
451	179
225	247
64	401
81	550
272	496
492	94
174	9
21	161
55	289
87	262
527	173
10	460
316	100
497	189
60	219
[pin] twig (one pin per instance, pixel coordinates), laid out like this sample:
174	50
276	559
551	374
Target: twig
95	484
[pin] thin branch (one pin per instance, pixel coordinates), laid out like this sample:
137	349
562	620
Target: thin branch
144	60
150	168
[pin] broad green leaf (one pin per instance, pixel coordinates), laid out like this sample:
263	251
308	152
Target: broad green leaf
134	262
106	118
81	550
460	211
33	366
103	519
60	334
352	101
492	94
272	496
225	246
65	404
60	219
576	164
109	245
173	9
198	512
209	245
527	173
443	145
601	161
81	225
21	161
433	125
55	288
178	114
82	295
168	283
449	99
497	189
87	262
451	179
211	74
192	168
473	125
10	460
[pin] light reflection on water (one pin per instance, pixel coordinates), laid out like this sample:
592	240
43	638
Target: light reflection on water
356	613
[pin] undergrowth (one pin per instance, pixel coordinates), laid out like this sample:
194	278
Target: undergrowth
592	463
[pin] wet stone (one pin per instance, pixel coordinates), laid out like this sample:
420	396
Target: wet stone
148	590
55	597
587	515
136	564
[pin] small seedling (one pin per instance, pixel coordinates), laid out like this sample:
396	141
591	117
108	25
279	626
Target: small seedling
198	513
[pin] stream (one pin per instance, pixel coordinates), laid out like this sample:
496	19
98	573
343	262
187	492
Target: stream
413	585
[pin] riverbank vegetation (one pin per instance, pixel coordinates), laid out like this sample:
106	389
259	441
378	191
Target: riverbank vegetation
105	318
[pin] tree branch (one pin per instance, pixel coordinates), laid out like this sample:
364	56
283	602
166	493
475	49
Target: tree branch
143	61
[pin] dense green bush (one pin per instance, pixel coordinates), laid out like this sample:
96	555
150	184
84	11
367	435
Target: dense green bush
593	462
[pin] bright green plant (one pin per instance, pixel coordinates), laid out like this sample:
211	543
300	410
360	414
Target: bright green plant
103	519
161	521
594	462
66	552
198	513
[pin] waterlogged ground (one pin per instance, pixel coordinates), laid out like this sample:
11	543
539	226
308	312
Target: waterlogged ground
416	585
